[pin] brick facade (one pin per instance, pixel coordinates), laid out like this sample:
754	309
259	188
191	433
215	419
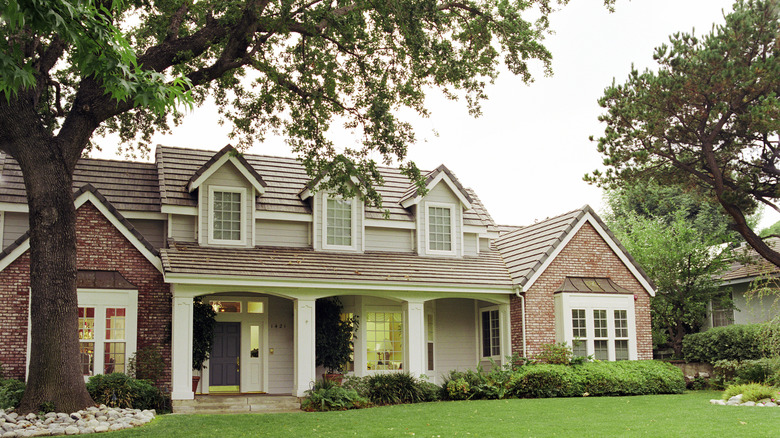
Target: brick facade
100	246
585	255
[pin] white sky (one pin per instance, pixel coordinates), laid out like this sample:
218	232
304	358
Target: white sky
526	155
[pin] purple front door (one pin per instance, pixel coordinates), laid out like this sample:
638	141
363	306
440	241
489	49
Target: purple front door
223	362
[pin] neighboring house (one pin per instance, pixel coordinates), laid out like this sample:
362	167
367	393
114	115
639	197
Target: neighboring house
436	285
747	271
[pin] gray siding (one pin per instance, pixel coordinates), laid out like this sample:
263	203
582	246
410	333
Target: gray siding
280	338
282	233
484	244
470	244
153	230
440	194
227	176
183	228
455	339
14	225
319	214
389	239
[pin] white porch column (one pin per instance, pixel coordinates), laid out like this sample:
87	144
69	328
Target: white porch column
414	338
304	345
360	344
505	324
181	350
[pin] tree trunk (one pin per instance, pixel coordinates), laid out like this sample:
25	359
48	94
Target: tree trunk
677	338
54	375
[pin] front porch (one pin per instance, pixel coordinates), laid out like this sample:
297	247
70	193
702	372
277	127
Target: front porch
425	333
237	404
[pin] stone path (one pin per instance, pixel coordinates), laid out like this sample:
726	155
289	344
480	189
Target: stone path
90	420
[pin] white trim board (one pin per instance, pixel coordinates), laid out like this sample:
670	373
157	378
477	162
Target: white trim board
219	163
442	176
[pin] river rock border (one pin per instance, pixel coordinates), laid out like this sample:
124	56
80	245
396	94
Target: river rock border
90	420
737	401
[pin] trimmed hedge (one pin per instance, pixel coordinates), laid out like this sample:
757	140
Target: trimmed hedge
733	342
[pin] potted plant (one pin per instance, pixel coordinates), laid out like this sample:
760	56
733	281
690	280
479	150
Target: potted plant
203	322
334	337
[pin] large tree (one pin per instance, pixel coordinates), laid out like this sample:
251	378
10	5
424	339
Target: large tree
709	116
71	68
681	242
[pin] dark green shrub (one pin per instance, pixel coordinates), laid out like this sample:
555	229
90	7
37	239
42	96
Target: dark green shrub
147	363
466	386
329	396
556	354
122	391
11	391
733	342
765	370
430	391
394	388
359	384
546	380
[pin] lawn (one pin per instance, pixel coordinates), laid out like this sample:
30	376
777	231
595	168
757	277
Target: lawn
687	415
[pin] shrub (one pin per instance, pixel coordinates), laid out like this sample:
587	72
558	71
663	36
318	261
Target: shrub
555	353
11	391
765	370
359	384
750	392
458	389
546	380
733	342
147	363
122	391
329	396
394	388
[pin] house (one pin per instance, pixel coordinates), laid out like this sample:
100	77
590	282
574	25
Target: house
747	271
435	283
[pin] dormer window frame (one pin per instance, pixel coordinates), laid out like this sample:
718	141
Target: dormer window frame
355	209
243	232
427	231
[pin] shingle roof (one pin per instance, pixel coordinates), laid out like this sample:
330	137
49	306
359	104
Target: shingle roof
526	249
412	191
226	150
486	269
747	264
127	185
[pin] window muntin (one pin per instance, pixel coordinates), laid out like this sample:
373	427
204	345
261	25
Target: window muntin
579	332
226	215
491	334
384	338
338	229
114	347
440	229
112	339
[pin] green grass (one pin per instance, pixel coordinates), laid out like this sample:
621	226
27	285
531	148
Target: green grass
684	415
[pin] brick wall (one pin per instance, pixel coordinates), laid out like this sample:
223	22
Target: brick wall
586	255
100	246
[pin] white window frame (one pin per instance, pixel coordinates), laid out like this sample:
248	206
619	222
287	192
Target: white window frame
565	302
242	240
428	359
480	311
100	300
353	226
427	231
364	333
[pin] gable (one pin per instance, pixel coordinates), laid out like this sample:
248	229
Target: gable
440	176
227	155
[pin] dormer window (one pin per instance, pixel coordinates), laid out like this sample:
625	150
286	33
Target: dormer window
339	227
227	215
440	227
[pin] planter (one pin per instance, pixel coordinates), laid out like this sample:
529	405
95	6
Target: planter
195	381
338	378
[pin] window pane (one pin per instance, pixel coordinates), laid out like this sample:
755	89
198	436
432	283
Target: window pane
227	216
578	323
600	323
86	323
579	347
255	307
621	349
87	358
601	350
439	229
339	222
226	306
115	323
254	341
621	324
491	334
114	358
384	337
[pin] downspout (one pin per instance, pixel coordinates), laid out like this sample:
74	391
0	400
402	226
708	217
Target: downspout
522	312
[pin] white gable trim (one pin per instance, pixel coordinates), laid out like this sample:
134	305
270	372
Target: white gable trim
89	196
442	176
83	198
612	244
308	192
219	163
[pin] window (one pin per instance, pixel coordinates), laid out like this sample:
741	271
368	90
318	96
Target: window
621	334
114	347
87	340
440	229
338	229
600	335
579	332
384	338
491	334
721	316
227	215
429	325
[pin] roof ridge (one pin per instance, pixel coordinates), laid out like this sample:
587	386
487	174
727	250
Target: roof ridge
582	210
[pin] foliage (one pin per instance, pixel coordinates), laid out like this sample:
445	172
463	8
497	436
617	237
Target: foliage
680	257
764	370
732	342
122	391
2	371
147	363
359	384
327	395
334	335
706	117
11	391
772	230
750	392
555	353
547	380
203	323
395	388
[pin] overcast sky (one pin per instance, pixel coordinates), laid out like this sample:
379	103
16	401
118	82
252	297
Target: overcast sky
526	155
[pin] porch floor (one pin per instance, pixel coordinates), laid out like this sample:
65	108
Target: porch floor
237	404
